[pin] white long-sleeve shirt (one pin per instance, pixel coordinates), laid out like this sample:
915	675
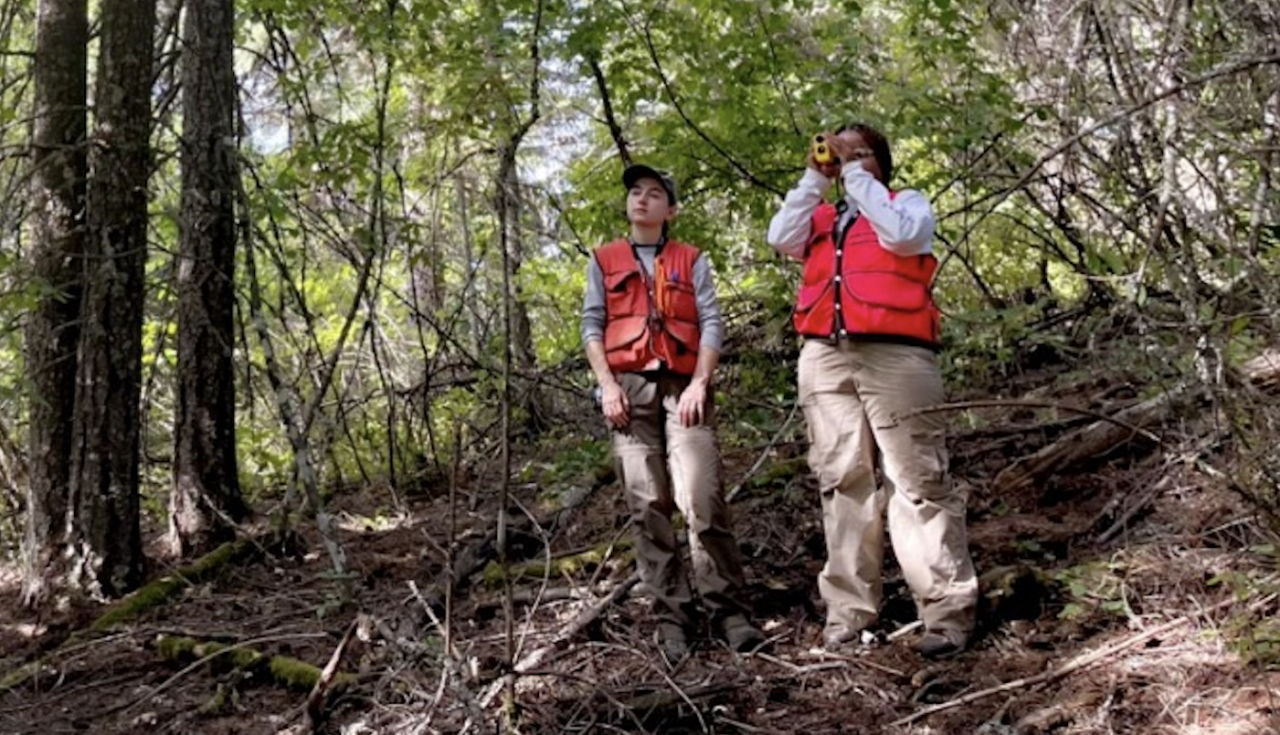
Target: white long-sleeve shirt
903	223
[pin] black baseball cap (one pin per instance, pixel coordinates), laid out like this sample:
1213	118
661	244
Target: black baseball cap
635	172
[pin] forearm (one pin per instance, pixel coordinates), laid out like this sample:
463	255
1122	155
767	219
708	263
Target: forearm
600	364
710	320
904	223
704	372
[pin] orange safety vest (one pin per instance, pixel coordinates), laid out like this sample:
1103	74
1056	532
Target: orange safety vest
860	289
650	323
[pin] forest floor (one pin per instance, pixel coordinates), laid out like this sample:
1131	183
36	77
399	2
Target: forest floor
1125	595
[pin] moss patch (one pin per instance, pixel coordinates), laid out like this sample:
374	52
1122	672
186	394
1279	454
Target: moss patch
564	566
286	671
167	587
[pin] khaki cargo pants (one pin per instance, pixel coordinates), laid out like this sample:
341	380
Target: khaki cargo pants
855	396
664	467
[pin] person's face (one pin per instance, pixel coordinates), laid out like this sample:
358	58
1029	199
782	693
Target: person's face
855	147
648	204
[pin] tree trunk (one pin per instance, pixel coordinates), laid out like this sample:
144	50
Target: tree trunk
106	547
59	167
520	331
205	498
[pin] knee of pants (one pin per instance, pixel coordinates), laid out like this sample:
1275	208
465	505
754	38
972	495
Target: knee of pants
642	471
922	477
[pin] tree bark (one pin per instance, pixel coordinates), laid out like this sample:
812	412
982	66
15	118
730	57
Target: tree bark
205	500
59	168
106	547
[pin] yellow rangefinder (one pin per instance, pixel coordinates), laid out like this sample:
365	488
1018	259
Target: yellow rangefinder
822	151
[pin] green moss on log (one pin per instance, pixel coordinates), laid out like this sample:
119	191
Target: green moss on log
168	587
149	596
283	670
293	673
564	566
19	676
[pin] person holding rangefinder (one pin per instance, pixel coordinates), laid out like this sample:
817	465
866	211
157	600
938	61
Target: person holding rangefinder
869	363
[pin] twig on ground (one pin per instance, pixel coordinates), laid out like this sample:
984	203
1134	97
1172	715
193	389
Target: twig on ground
763	455
798	669
823	653
1068	668
1143	501
315	700
535	658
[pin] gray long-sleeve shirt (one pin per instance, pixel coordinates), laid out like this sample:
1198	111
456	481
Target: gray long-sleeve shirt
710	322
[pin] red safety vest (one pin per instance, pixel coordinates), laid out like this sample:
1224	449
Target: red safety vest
650	323
863	290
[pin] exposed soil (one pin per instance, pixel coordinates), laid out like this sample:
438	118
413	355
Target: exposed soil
1134	635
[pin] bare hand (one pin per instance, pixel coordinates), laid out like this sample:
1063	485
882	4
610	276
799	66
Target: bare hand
615	405
830	169
692	400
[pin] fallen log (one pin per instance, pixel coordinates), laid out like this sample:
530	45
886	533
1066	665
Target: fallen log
1093	440
144	599
286	671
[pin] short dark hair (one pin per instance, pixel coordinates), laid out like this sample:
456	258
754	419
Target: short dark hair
879	147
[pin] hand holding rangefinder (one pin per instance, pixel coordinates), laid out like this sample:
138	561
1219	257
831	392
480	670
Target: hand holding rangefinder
822	151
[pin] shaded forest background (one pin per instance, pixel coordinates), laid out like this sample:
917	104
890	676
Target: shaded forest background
257	255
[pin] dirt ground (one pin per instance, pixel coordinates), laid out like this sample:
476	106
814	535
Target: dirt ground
1088	625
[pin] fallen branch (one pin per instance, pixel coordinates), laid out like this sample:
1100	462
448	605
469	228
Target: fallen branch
1145	499
763	455
285	670
1119	419
167	587
182	646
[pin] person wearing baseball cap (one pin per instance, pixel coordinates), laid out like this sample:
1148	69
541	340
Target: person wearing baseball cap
652	329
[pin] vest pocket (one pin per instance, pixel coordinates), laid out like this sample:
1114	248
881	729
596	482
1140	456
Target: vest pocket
617	281
682	302
888	290
810	295
622	332
685	334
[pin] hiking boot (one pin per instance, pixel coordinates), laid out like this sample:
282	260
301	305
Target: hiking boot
836	634
673	642
945	643
741	635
